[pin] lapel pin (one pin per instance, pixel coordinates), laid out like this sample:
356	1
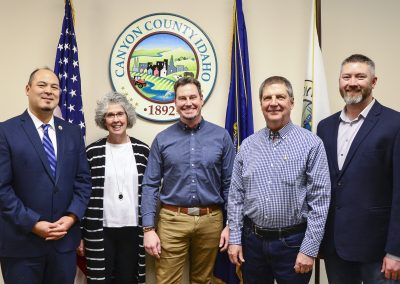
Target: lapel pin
60	127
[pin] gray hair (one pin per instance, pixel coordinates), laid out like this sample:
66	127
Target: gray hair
114	98
360	58
276	80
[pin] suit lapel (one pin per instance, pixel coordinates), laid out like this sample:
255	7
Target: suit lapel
30	130
60	146
333	147
369	123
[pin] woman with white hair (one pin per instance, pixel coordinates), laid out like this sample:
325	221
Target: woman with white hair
112	227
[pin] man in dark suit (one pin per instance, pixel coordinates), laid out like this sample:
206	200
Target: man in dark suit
44	189
362	240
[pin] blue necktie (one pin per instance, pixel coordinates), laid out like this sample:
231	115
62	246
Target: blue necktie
49	149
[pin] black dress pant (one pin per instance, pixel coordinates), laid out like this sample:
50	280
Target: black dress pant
121	253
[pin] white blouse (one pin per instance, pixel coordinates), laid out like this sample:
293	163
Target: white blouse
120	187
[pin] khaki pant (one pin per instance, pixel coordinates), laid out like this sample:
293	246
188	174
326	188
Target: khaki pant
181	234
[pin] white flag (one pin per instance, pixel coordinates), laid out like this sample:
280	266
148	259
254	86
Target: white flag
315	99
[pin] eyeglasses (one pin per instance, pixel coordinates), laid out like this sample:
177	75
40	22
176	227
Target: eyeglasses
112	115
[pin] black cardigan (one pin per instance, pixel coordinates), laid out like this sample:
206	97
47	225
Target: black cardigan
92	223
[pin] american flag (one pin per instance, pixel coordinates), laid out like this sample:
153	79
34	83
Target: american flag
67	69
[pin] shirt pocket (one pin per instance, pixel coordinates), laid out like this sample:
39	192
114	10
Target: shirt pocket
211	156
292	171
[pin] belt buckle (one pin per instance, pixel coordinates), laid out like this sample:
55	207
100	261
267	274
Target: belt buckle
194	211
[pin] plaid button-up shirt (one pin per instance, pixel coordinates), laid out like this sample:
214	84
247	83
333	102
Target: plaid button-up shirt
279	183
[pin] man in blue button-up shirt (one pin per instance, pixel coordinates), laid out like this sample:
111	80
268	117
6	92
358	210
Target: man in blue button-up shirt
279	195
192	162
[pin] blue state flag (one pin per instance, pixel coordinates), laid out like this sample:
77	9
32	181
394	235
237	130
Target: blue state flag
67	69
239	118
239	113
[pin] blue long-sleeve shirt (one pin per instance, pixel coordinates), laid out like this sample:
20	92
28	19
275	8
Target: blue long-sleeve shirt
192	166
281	183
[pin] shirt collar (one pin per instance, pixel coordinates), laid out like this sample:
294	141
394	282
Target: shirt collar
363	114
38	123
283	132
187	128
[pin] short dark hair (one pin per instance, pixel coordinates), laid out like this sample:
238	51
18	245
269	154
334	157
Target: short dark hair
276	80
361	59
32	76
187	80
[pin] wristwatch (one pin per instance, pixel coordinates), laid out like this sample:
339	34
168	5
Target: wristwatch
148	229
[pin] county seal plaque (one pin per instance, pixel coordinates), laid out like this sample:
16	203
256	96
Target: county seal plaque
151	54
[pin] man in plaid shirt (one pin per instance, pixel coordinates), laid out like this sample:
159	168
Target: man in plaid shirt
279	195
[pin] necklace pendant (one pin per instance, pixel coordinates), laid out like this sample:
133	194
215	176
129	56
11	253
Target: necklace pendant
121	196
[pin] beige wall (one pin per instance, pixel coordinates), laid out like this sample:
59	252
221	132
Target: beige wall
277	33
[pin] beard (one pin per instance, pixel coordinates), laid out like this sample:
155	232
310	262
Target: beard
352	100
47	109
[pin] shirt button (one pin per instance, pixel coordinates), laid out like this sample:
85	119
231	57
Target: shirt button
193	196
265	217
272	165
192	180
192	149
192	165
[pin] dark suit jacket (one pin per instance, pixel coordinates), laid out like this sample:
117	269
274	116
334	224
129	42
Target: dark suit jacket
29	192
364	217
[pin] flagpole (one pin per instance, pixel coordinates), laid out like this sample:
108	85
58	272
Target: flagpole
318	21
317	275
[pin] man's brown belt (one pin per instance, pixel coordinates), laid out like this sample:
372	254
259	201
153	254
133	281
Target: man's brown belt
193	211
